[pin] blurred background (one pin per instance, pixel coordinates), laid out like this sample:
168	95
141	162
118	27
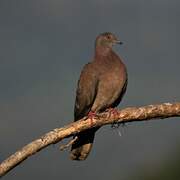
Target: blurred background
43	47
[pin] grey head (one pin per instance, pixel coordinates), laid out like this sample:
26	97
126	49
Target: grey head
106	40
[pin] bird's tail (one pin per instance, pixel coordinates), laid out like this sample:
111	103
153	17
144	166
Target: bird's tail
82	147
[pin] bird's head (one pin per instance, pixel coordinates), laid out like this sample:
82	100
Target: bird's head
106	40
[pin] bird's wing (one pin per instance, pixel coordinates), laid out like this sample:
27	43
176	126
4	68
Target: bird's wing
86	91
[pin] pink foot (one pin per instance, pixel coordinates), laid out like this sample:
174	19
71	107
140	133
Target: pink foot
112	111
91	115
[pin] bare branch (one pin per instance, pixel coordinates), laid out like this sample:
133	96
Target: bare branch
126	115
63	147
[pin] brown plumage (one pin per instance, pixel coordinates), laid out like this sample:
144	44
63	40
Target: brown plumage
101	85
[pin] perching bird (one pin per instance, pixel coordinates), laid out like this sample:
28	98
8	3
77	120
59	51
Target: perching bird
101	86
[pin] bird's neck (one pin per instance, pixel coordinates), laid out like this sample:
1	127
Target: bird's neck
101	51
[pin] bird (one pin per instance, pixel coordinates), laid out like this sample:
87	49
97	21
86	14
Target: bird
101	86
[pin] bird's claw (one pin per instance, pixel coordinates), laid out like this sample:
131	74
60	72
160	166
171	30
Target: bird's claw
92	115
112	112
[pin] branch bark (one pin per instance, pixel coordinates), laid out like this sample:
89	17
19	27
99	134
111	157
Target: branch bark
158	111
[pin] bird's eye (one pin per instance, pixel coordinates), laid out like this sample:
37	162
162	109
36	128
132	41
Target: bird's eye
108	37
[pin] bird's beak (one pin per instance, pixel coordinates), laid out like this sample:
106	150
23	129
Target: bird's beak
118	42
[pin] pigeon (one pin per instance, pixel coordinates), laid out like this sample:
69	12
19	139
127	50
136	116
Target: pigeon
101	86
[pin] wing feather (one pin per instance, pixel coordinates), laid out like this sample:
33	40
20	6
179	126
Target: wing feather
86	91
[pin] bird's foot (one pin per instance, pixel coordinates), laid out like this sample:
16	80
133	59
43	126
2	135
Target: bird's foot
91	115
112	112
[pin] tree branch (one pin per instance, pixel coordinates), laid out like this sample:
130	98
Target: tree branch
126	115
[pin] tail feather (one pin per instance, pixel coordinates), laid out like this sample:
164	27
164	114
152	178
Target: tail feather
82	147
